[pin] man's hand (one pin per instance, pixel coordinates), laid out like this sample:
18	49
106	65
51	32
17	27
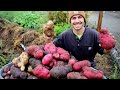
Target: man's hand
107	51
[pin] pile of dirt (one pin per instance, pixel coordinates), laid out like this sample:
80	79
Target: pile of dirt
12	35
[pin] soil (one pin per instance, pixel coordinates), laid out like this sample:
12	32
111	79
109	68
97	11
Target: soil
104	63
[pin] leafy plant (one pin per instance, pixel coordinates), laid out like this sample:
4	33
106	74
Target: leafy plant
9	15
58	16
59	28
2	60
115	74
30	19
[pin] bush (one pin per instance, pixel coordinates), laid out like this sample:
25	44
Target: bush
87	16
58	16
59	28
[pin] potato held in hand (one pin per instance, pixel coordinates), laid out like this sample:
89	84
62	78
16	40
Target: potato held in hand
106	40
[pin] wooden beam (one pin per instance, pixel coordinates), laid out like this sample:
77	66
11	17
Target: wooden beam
99	21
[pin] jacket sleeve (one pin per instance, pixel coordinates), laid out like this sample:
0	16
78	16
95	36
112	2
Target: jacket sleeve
58	41
99	49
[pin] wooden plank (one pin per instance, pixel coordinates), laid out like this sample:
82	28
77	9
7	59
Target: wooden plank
99	20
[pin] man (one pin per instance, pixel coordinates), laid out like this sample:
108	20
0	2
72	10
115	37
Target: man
80	41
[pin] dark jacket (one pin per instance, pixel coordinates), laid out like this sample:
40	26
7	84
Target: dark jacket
84	48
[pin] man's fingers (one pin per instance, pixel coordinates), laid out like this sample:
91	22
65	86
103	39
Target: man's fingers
100	45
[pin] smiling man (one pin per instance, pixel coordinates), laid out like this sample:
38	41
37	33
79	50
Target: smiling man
81	41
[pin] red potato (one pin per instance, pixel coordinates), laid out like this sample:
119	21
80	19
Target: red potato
59	63
104	31
78	65
106	40
50	47
41	72
72	61
64	57
92	73
51	64
63	54
56	55
54	61
38	53
30	49
75	75
47	59
62	51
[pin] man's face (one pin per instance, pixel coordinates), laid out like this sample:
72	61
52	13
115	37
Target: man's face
77	22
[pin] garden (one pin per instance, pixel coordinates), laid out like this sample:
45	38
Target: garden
26	27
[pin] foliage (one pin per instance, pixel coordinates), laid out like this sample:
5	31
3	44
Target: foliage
9	15
116	74
87	16
26	19
2	60
31	19
59	28
58	16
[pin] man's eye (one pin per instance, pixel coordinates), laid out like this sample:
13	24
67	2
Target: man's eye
80	17
74	18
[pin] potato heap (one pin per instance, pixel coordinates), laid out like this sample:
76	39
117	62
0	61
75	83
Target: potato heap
49	62
106	39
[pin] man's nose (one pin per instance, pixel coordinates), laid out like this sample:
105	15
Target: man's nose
77	20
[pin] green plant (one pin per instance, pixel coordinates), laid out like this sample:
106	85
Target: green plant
87	16
31	20
2	60
115	74
9	15
58	16
59	28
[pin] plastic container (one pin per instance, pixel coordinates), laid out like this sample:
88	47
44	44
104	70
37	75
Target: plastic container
1	70
10	64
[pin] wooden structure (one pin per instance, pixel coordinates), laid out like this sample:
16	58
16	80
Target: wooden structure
99	20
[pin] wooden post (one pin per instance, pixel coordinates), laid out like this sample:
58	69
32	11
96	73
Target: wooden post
99	21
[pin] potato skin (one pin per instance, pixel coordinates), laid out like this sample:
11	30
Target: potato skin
60	71
75	75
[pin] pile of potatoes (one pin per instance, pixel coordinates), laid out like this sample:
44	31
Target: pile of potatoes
49	62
